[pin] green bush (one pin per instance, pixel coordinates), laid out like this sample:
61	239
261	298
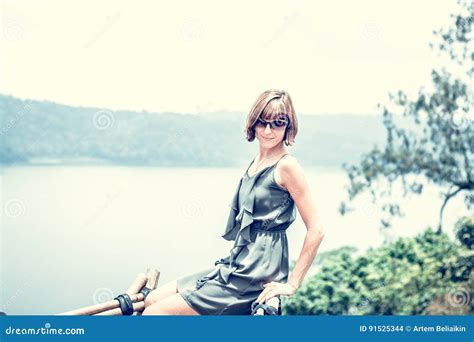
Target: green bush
464	230
411	276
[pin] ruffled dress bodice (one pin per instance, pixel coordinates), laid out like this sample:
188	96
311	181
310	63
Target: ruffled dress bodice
260	212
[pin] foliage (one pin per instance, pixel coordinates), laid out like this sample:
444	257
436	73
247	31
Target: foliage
411	276
432	139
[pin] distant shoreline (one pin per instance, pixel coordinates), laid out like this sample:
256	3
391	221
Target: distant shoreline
105	163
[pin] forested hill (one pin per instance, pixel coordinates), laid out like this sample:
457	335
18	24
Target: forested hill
46	132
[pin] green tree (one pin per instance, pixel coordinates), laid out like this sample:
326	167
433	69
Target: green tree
431	139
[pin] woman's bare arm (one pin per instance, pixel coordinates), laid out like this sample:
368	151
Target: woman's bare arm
292	178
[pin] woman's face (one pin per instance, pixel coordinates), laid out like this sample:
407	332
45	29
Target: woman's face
270	132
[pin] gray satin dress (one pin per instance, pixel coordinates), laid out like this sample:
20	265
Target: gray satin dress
261	211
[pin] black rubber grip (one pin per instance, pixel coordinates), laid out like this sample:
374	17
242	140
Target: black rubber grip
126	304
145	291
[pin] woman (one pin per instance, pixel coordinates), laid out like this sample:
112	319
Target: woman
263	207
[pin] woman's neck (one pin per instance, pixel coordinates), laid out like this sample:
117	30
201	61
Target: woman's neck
267	153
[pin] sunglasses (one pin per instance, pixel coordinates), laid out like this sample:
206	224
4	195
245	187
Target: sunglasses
274	124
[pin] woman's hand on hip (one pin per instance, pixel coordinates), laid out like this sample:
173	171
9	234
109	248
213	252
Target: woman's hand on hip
274	289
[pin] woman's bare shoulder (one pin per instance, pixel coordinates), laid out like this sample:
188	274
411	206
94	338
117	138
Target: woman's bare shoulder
288	171
289	164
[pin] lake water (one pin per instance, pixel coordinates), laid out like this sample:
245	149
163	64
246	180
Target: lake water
73	236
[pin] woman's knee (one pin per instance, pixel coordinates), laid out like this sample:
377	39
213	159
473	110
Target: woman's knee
172	305
153	310
160	293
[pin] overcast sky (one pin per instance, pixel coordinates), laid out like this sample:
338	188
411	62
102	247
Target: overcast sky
198	56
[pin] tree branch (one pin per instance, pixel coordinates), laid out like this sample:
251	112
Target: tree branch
447	198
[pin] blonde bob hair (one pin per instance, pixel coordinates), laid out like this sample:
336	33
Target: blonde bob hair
270	105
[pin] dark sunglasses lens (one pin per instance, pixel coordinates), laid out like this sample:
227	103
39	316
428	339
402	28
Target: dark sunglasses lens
273	124
280	123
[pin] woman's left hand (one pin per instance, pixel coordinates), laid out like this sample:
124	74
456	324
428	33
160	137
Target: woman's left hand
274	289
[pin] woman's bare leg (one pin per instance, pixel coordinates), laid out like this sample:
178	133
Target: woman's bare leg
171	305
161	293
